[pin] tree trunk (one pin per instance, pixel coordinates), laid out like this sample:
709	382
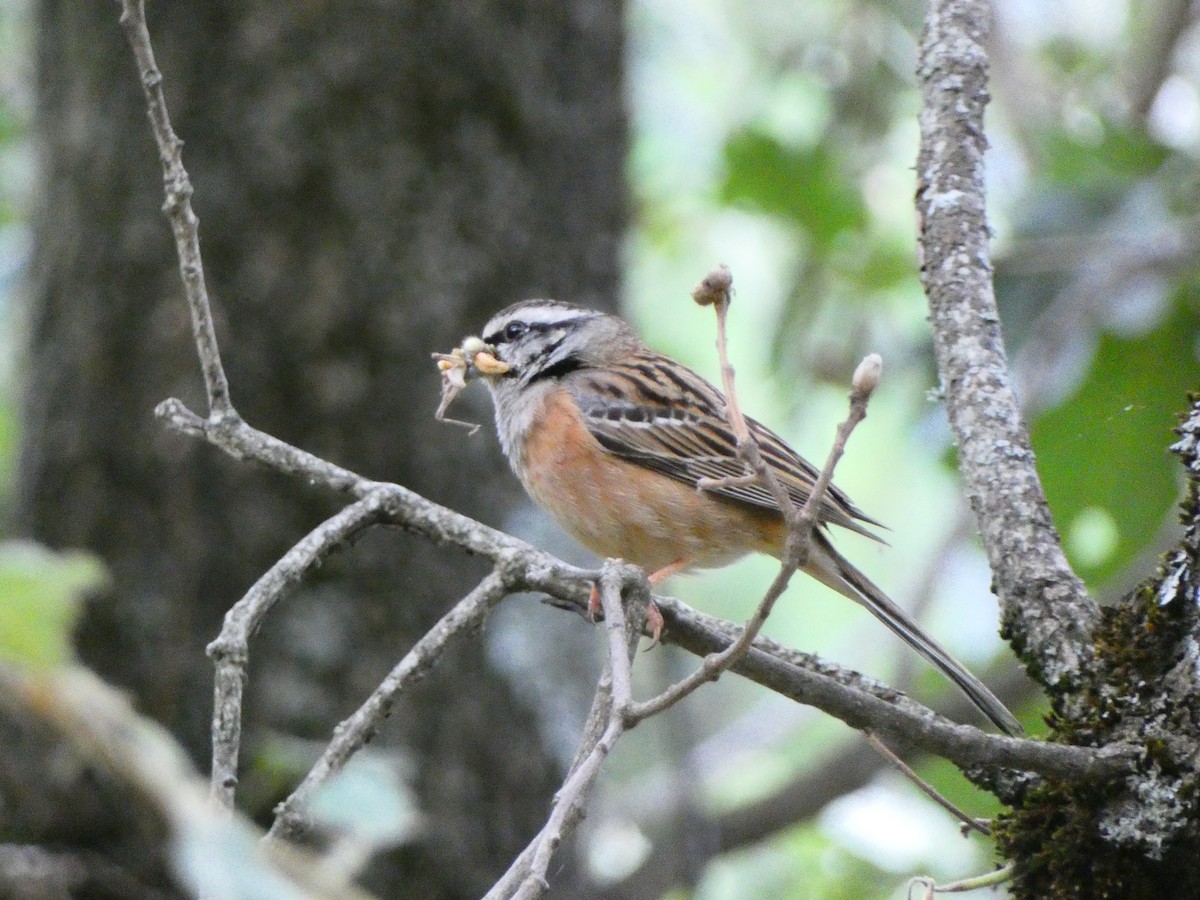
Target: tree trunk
372	181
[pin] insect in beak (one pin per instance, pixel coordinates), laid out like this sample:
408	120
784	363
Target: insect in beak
463	364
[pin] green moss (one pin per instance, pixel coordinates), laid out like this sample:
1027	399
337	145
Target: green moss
1060	853
1060	836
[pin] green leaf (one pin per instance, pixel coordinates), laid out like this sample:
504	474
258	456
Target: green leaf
40	596
802	184
881	265
1102	453
1118	155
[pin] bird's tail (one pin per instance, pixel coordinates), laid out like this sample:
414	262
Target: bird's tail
832	569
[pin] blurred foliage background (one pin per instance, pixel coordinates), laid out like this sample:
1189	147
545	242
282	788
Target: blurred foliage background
779	138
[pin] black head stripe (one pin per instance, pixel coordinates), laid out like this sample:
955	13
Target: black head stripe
498	337
559	369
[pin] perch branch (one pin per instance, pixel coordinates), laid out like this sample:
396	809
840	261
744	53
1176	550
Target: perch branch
832	689
838	692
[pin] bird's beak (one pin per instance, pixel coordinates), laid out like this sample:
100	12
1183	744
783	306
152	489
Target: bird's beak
473	359
482	359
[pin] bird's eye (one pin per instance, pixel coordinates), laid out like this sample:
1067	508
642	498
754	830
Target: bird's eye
514	330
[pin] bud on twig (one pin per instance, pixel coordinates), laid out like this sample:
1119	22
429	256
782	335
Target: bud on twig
717	286
867	375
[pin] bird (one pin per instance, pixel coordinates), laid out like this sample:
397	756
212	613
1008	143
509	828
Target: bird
613	440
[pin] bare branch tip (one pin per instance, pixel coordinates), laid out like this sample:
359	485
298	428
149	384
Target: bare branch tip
173	412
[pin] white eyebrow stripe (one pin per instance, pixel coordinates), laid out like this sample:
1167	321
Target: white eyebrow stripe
539	315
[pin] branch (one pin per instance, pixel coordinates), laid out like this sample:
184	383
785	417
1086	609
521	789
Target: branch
291	816
844	694
839	692
1044	607
871	706
230	652
526	877
178	209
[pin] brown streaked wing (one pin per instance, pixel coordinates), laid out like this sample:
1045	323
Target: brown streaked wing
659	414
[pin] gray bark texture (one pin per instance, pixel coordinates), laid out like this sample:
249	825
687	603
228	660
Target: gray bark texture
1124	675
1044	607
373	180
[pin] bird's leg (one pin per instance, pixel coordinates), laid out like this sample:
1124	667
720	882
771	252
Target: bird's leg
654	617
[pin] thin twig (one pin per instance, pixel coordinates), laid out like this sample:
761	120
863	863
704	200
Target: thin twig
292	815
991	879
925	787
862	385
526	878
716	290
177	187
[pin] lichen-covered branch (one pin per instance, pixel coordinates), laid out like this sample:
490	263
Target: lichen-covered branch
1045	609
1130	836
